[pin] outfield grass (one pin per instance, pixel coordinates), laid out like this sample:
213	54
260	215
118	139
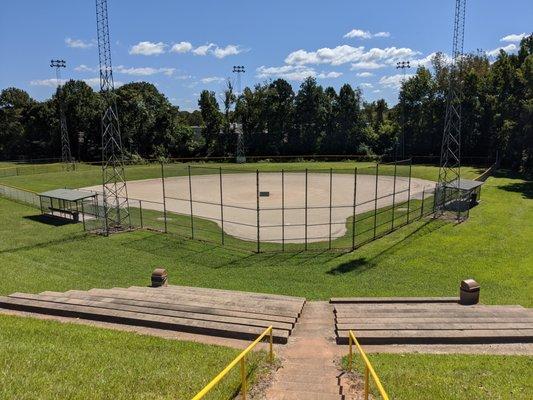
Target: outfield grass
46	177
453	376
426	258
50	360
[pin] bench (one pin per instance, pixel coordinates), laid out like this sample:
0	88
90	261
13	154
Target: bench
74	214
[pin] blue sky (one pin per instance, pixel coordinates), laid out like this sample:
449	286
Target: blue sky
184	47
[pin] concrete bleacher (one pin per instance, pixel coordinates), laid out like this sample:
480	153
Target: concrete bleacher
213	312
430	321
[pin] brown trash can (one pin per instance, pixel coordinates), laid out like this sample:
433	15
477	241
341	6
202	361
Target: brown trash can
469	292
159	277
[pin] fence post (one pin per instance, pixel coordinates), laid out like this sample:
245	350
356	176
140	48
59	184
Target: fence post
422	206
82	215
354	205
221	205
282	209
258	220
330	203
141	212
190	202
243	377
305	246
366	383
376	200
164	196
409	190
394	196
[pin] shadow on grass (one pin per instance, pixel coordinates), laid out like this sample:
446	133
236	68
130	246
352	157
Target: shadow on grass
72	238
525	188
50	220
362	263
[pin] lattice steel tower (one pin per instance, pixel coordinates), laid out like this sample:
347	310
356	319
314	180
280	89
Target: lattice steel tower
448	196
66	156
240	155
116	215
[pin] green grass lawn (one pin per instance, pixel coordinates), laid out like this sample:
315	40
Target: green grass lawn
51	360
51	176
453	376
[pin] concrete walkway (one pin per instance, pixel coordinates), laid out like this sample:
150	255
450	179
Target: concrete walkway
309	360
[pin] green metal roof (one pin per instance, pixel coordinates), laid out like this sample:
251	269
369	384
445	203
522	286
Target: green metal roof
67	194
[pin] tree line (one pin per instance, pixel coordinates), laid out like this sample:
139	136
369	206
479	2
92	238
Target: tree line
496	102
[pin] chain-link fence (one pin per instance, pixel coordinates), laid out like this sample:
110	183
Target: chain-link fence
281	210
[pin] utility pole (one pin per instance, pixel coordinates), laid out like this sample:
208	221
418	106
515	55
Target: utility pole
66	156
403	65
115	194
240	154
449	184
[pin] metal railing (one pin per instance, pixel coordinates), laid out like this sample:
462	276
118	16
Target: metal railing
241	358
369	370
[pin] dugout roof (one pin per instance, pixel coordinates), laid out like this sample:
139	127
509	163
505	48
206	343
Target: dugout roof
67	194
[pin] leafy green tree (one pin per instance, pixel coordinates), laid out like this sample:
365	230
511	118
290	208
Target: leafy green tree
212	119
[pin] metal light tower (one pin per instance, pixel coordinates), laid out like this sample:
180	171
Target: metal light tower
448	187
403	65
66	156
116	215
240	155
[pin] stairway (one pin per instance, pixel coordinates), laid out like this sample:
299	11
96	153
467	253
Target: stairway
308	360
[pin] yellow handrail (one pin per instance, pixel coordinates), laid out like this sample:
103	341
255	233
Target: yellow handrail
368	367
242	359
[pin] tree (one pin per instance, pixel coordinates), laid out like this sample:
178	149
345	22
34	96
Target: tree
310	114
14	103
212	119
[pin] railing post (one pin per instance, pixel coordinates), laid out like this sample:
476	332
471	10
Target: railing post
221	206
271	340
350	355
243	377
82	215
354	205
190	202
164	197
366	382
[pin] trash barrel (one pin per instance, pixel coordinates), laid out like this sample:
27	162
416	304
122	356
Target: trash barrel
469	292
159	277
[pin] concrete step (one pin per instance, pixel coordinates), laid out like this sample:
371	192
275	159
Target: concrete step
301	395
131	318
392	300
154	311
315	387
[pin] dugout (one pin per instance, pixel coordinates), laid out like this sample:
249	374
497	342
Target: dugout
469	191
65	203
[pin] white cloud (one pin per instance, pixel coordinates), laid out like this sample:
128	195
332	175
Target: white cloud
183	77
344	54
78	43
366	85
148	48
85	68
211	79
203	50
144	71
508	49
52	82
376	91
364	74
329	75
394	81
229	50
360	34
289	72
366	65
181	47
515	37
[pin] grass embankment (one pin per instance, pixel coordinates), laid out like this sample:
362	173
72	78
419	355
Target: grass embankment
453	376
50	360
